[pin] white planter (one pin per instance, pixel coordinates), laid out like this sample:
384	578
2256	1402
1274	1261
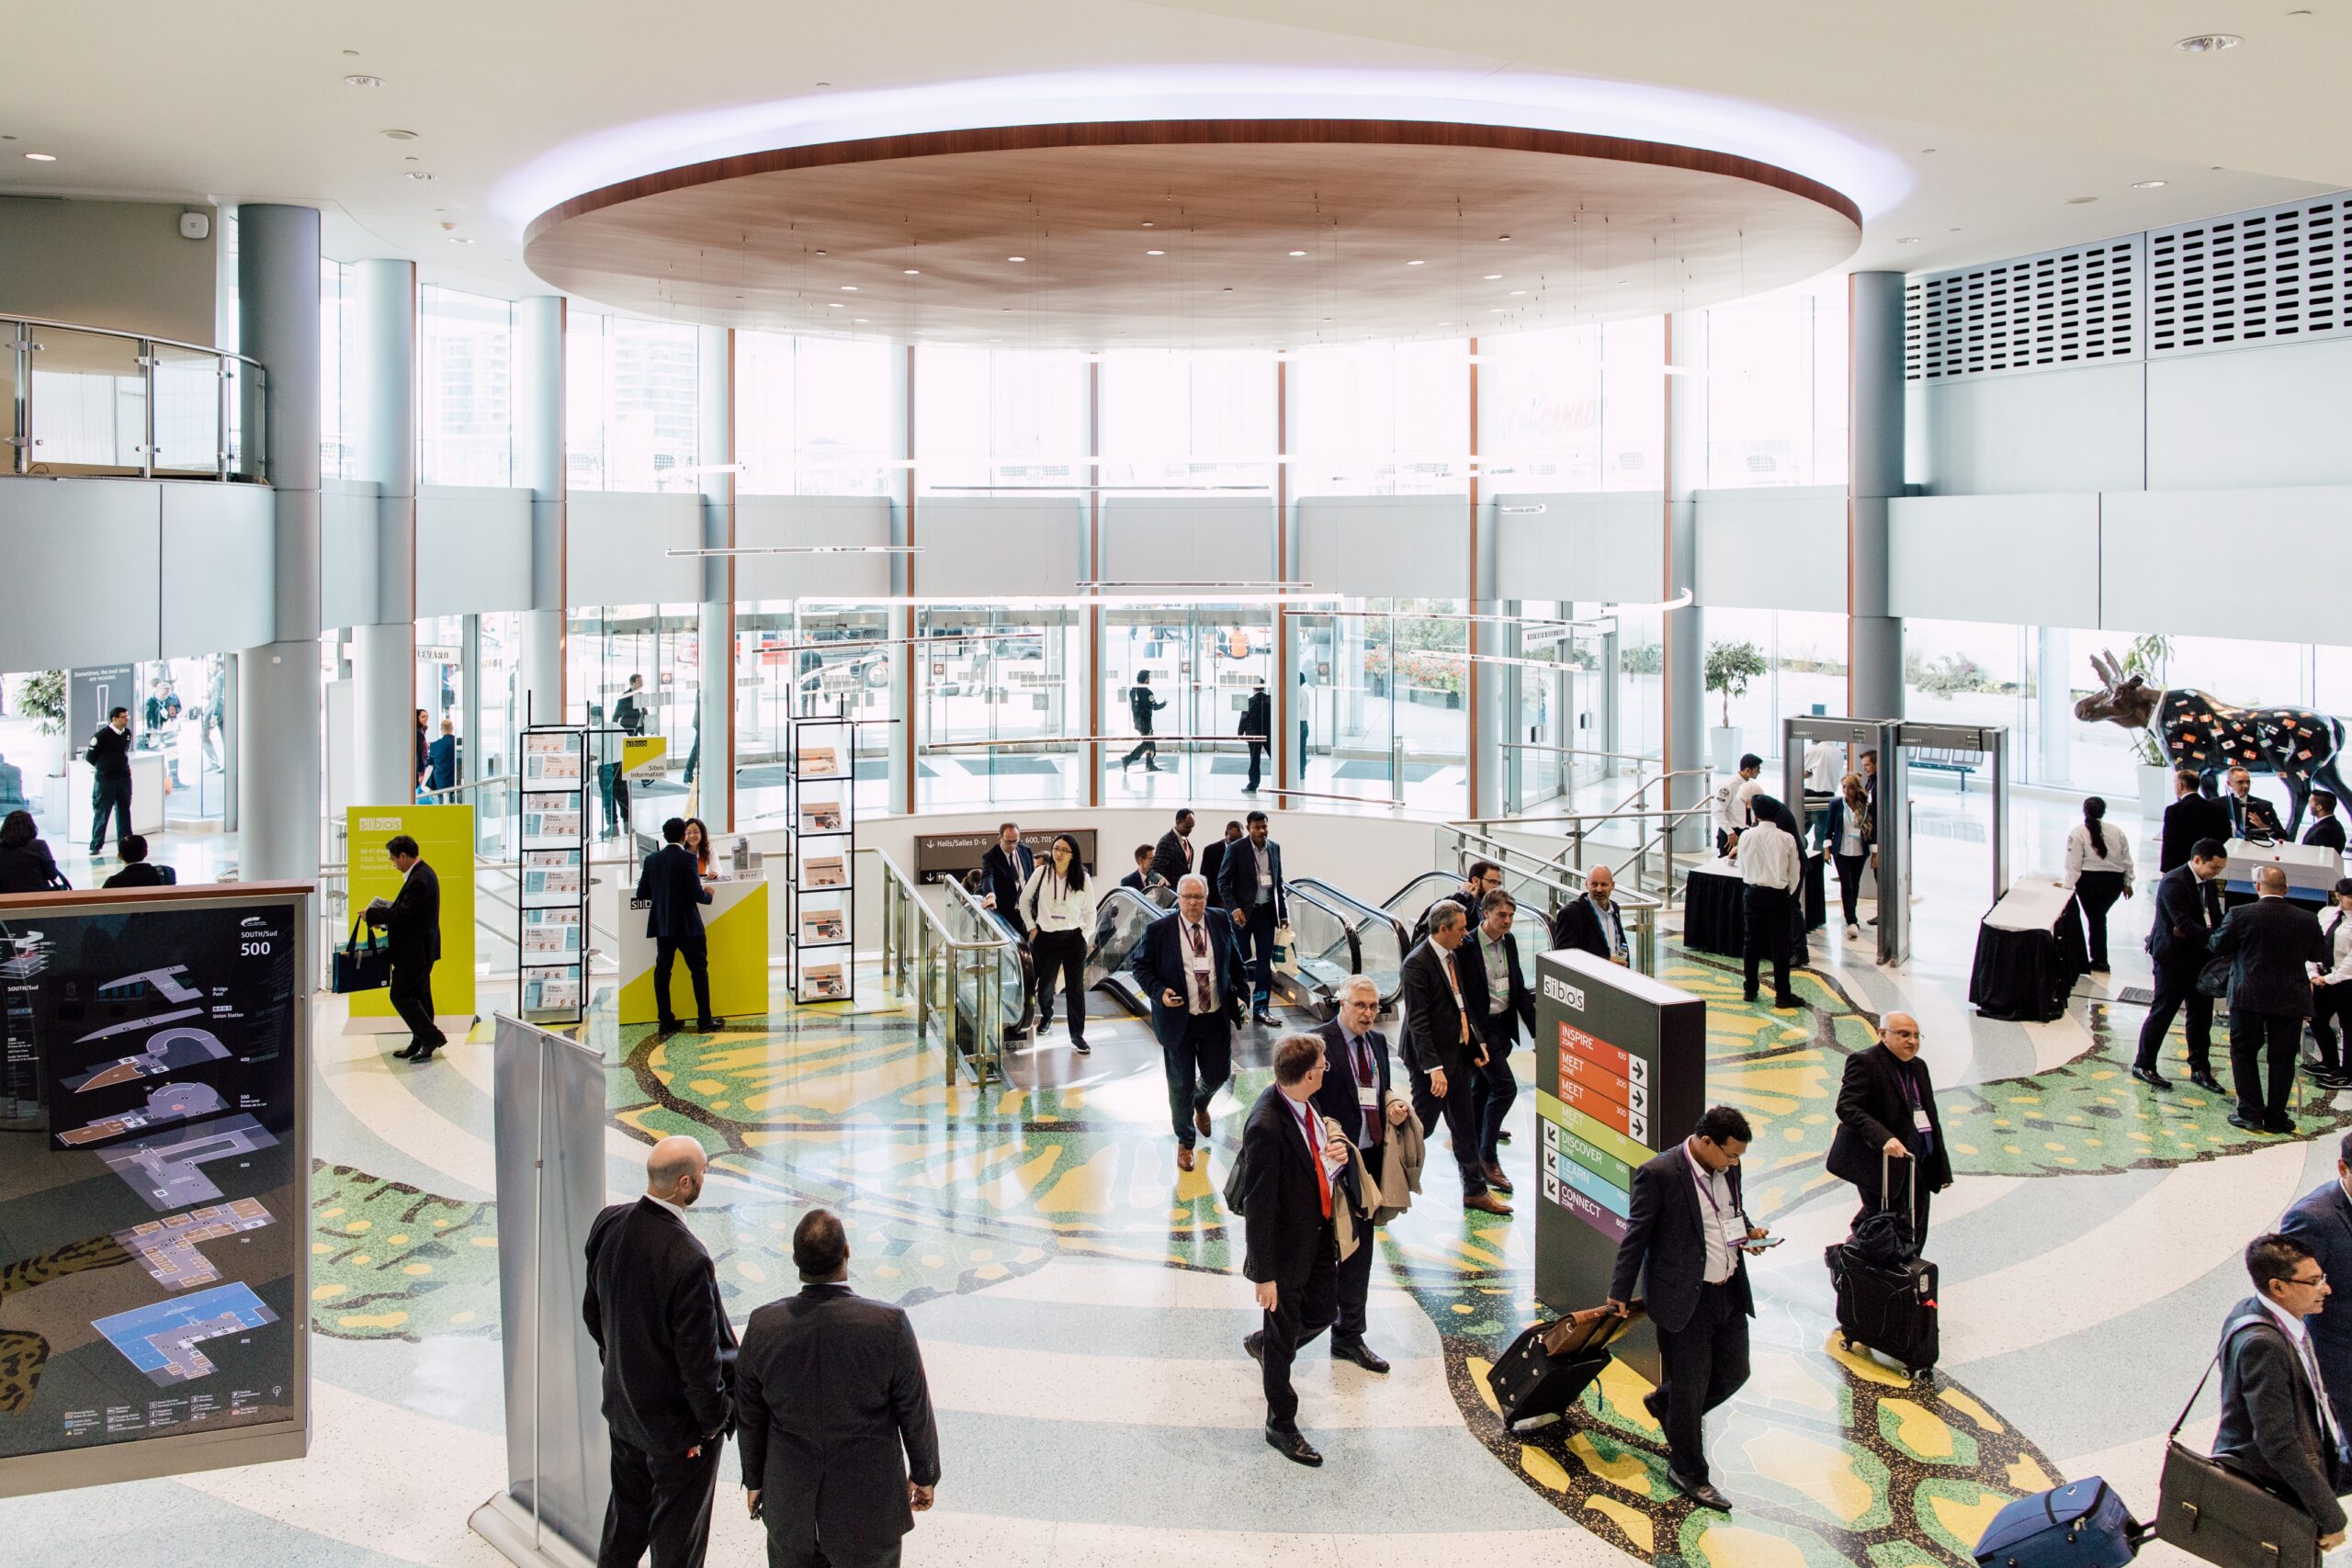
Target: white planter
1723	745
2155	791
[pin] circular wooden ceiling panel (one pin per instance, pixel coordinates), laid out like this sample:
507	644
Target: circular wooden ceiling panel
1194	234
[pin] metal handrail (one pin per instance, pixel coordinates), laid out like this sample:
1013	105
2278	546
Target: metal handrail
19	346
1567	884
427	796
915	936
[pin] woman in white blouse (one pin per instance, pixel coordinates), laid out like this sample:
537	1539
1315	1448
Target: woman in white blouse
1060	909
2098	868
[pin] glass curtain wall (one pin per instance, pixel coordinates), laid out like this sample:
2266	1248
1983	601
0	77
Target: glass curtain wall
813	416
1776	392
1804	670
465	425
632	404
1384	702
1004	679
1204	661
661	645
778	678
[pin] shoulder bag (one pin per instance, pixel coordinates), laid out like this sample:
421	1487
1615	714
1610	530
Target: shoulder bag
2227	1519
358	968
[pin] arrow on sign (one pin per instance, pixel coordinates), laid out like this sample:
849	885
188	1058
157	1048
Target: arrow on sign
1639	1125
1641	1098
1637	1069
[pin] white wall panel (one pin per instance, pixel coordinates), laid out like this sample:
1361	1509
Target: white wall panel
1600	548
616	543
2166	556
989	545
1160	539
348	529
473	550
770	521
220	566
1407	547
1773	549
84	568
2018	559
2045	431
2261	416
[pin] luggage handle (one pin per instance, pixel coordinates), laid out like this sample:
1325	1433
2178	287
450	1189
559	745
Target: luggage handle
1910	1188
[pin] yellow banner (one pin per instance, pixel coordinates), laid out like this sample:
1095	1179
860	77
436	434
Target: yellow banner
444	840
643	754
735	929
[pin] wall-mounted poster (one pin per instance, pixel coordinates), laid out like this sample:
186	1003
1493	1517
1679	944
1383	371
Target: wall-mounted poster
155	1233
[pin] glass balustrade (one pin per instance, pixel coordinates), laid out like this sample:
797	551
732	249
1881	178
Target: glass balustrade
91	401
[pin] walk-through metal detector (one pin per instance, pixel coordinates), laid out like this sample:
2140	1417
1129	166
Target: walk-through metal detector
1893	742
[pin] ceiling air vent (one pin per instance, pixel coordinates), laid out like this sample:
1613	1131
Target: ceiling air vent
2272	276
2076	306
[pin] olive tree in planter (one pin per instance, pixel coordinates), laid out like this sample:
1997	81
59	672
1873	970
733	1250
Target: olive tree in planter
1730	667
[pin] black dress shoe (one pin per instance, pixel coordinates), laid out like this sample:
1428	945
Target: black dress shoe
1655	1404
1503	1137
1294	1447
1703	1492
1362	1354
668	1026
406	1052
1264	1019
2208	1082
710	1025
1081	1047
2242	1125
1255	1343
423	1057
2278	1124
2152	1077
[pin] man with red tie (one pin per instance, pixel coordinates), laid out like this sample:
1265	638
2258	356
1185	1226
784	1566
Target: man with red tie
1290	1156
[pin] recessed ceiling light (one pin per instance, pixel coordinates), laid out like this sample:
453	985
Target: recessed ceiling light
363	81
401	135
1150	224
2080	200
1494	278
415	174
849	287
1907	239
857	321
1516	292
1298	252
1016	258
914	272
1155	253
1502	239
459	239
42	157
2147	184
2207	43
1497	311
832	305
1415	263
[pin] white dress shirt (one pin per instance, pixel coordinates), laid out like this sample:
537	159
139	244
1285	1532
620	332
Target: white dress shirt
2299	1334
1199	956
1821	767
1769	857
1051	904
1718	1217
1731	807
2082	855
2337	926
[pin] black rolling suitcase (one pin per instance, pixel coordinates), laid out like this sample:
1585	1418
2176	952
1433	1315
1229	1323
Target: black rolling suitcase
1887	1292
1547	1367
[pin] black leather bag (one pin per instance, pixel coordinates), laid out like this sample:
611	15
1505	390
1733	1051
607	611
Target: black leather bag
2228	1519
358	968
2213	980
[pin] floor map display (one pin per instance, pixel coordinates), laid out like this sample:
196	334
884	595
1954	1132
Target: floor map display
1621	1062
152	1205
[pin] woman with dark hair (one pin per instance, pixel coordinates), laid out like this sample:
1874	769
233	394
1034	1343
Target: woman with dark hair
1060	912
697	843
1851	838
2098	868
424	768
26	864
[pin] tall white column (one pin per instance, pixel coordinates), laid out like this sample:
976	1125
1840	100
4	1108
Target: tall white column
715	621
277	705
1684	687
383	648
1874	474
537	379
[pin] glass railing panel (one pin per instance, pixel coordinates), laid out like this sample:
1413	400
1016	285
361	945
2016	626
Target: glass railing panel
248	419
188	411
10	332
1120	920
1410	902
89	402
1325	955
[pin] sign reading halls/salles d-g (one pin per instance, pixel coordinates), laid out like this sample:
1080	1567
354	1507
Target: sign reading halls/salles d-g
1622	1075
444	840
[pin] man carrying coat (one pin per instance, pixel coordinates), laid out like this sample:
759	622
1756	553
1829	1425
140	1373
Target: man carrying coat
1355	1094
1188	964
1889	1140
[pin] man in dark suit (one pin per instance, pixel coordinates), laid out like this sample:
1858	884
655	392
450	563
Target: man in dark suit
1889	1131
1004	872
1212	861
672	890
1191	968
2188	906
441	758
2327	829
2269	944
1355	1094
137	871
1141	705
412	926
109	758
2277	1426
1442	1052
1593	923
1173	857
1144	878
1684	1252
1259	900
2321	1220
1288	1157
1258	727
1483	877
2187	820
833	1416
2251	817
652	1308
1496	987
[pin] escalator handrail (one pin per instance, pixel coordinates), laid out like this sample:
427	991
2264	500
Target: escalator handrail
1367	914
1337	905
1120	974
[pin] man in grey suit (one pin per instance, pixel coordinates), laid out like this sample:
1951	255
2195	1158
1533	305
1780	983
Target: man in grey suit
2268	943
2277	1425
833	1416
2321	1220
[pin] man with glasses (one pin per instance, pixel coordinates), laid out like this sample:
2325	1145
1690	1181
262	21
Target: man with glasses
1889	1128
1355	1094
1191	968
2279	1426
2321	1220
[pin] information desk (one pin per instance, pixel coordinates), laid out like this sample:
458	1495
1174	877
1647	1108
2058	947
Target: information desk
2029	951
2310	870
735	925
1713	898
1622	1074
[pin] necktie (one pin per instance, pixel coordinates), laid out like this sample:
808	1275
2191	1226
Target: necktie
1455	984
1315	1158
1202	995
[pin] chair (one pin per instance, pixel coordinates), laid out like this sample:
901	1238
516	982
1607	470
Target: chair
12	788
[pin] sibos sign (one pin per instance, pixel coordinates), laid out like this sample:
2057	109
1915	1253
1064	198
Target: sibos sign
1560	991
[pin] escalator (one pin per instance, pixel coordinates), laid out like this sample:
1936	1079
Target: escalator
1337	935
1533	924
1120	919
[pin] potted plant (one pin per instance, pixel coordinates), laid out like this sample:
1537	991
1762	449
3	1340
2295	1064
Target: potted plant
2145	658
1730	667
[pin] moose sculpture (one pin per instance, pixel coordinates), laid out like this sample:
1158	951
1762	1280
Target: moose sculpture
2201	735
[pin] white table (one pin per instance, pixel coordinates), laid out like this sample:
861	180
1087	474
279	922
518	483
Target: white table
2312	869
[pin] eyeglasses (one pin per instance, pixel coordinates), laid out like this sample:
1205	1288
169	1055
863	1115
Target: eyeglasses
2315	1279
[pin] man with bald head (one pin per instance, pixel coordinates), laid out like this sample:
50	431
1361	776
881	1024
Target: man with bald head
2268	943
1890	1141
1593	923
652	1307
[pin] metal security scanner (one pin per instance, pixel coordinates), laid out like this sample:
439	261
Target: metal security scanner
1896	742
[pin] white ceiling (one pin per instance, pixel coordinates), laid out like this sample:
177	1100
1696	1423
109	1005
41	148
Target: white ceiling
2025	106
